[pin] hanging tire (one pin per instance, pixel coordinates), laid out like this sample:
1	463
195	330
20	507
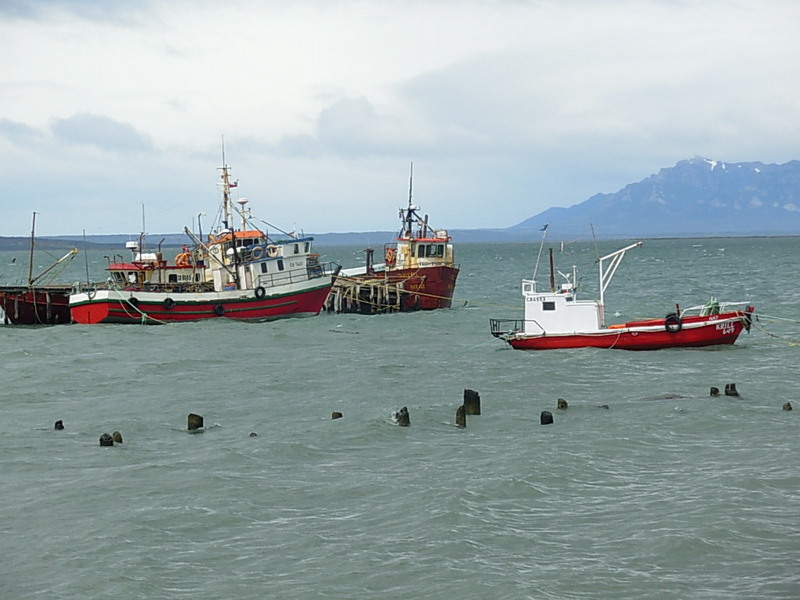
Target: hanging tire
169	303
133	301
219	310
672	323
260	292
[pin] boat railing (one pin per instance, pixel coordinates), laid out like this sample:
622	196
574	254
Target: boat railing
313	271
714	307
506	327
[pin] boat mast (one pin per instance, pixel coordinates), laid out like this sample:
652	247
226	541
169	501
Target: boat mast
227	214
539	256
30	261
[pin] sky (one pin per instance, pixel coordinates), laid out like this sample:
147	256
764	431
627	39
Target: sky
114	114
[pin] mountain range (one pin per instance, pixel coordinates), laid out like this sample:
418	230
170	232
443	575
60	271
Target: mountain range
698	197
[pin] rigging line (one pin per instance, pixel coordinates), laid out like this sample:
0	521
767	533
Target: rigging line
762	316
790	341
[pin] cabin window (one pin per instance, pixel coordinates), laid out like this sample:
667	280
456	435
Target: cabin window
297	248
420	251
548	305
280	264
264	267
173	278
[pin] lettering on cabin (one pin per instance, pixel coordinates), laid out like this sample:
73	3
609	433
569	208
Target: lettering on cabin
535	299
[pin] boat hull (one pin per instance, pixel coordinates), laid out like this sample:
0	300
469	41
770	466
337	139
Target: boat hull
695	332
397	290
134	307
41	305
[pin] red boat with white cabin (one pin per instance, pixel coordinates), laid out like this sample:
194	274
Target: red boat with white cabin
244	274
555	319
418	272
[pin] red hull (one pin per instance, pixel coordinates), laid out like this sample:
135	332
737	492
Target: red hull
302	304
425	288
695	332
37	306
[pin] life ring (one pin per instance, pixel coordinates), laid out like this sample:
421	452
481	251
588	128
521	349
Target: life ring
258	252
260	292
390	256
672	323
272	251
219	310
183	259
169	303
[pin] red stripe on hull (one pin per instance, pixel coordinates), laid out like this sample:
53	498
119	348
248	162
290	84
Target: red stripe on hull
694	337
302	304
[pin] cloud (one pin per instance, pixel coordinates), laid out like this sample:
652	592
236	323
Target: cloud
102	132
19	134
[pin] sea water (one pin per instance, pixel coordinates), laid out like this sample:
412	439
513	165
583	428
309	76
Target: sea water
666	493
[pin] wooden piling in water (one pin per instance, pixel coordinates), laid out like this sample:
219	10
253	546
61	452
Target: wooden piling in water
730	389
461	416
472	402
194	422
546	418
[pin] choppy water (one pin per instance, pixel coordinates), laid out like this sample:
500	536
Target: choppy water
668	493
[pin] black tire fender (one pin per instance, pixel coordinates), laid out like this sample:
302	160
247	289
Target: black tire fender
672	323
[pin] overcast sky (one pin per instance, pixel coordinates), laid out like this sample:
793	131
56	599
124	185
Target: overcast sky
505	107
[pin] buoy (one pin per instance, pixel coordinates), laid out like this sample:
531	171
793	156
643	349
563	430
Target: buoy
336	415
106	440
546	417
59	425
461	416
402	417
253	434
117	437
472	402
730	389
787	406
715	391
194	422
561	404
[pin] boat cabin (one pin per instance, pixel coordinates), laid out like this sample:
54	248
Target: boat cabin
559	311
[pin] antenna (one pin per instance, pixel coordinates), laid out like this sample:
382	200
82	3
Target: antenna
410	183
541	247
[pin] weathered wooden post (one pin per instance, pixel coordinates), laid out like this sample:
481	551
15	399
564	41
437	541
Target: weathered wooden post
730	389
195	422
787	406
714	391
402	417
546	418
562	404
106	440
461	416
336	415
472	402
116	437
59	425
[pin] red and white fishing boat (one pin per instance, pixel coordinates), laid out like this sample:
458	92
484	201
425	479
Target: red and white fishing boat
243	273
418	272
555	319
